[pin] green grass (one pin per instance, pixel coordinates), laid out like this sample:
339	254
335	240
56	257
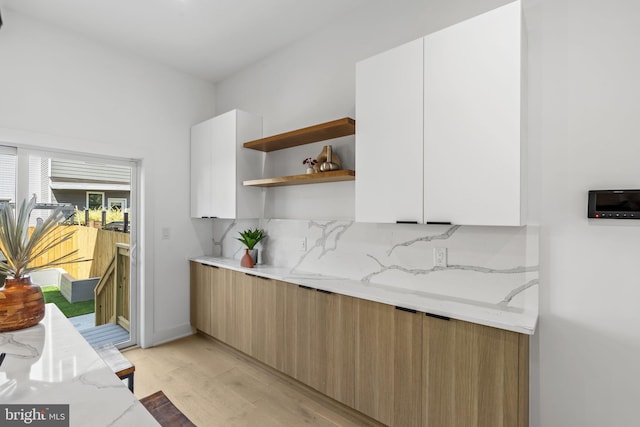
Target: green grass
52	294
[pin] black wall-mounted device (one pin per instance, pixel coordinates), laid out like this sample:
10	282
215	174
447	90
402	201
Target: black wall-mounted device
614	204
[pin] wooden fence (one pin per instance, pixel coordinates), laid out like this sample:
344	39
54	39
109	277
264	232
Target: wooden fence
96	245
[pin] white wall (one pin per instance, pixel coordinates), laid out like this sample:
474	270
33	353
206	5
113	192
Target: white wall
583	70
60	91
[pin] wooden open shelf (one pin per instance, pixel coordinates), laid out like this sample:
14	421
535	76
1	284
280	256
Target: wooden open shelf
309	178
321	132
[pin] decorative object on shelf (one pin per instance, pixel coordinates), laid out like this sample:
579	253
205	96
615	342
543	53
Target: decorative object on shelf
321	132
327	160
310	162
23	303
250	238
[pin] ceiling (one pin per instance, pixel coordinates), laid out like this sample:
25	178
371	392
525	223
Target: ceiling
211	39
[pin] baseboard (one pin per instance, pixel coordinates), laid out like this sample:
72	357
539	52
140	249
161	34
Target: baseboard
171	334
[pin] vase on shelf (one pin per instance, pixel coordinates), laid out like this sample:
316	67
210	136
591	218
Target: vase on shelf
22	304
246	260
329	164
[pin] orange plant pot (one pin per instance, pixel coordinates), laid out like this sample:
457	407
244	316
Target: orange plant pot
21	304
246	260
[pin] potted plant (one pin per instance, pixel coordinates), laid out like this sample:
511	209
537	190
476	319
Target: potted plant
250	238
310	162
22	304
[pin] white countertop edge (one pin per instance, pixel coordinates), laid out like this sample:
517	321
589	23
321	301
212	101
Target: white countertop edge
521	322
65	369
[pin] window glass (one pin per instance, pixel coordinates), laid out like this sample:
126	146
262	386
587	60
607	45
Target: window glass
7	177
95	200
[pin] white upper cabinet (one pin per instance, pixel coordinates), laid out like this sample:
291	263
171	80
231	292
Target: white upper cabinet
389	136
219	164
201	154
472	121
439	125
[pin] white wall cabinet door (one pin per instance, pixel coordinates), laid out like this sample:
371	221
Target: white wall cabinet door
219	164
389	136
472	121
201	154
439	131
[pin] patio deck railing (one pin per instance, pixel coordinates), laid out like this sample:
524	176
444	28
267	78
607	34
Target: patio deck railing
113	291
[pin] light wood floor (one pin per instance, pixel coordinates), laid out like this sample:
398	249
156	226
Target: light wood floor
215	386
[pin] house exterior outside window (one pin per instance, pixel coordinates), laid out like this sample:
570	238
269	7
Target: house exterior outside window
95	200
118	203
87	185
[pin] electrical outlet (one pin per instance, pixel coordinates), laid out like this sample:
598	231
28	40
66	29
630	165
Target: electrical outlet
440	257
303	244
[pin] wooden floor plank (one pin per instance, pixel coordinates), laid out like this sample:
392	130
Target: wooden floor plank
214	385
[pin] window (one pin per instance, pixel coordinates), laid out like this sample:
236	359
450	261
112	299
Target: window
118	203
7	174
95	200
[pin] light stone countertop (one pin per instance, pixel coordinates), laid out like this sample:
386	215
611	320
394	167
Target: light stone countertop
51	363
470	310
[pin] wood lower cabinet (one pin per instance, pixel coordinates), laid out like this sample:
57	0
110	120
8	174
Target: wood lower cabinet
266	319
252	313
333	347
400	367
388	364
239	309
474	375
201	296
239	302
318	340
219	303
295	357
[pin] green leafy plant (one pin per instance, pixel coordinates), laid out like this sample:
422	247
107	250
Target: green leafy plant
251	237
21	248
114	214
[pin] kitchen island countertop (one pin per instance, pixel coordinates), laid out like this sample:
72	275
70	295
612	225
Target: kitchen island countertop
52	364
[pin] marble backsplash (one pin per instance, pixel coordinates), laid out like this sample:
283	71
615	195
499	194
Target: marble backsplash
496	266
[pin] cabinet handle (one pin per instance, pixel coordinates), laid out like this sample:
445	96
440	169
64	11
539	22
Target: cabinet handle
209	265
439	222
205	217
305	287
437	316
408	310
406	222
255	275
323	291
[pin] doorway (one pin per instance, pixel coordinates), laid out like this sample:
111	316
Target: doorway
100	199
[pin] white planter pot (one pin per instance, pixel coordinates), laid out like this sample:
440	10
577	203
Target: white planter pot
254	255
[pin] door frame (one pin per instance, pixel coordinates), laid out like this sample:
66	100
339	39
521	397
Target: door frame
22	192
